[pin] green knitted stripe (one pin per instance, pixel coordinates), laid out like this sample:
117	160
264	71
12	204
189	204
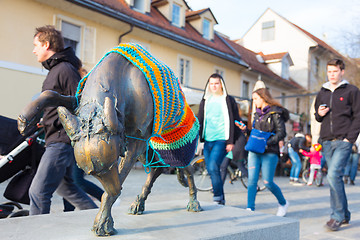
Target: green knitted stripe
188	138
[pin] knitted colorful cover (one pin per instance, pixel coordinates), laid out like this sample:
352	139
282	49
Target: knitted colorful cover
175	129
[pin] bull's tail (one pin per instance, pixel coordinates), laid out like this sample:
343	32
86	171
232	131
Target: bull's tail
181	177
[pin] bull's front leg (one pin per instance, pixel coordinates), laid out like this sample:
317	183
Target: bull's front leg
104	223
194	204
138	206
112	182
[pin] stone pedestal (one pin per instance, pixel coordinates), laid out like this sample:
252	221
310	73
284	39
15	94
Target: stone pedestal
162	220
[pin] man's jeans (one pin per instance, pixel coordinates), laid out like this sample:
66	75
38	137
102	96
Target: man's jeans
296	164
352	166
55	174
267	164
89	187
214	153
336	154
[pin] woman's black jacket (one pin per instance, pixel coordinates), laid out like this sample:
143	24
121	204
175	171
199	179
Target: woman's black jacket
273	121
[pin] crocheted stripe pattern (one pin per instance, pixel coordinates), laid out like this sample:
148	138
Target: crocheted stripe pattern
175	129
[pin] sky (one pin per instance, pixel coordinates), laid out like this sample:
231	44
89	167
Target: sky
329	20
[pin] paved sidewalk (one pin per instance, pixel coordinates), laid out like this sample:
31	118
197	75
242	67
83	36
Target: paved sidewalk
309	205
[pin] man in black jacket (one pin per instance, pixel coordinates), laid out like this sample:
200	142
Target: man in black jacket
337	107
55	170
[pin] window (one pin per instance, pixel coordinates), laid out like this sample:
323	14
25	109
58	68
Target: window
245	89
285	69
72	36
268	31
184	71
176	15
316	66
80	37
206	29
139	5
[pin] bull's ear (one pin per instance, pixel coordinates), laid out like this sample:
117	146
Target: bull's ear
69	121
110	116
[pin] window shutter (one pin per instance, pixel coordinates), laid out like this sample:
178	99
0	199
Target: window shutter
89	44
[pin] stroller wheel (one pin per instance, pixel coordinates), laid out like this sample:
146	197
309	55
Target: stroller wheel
10	205
20	213
4	213
7	208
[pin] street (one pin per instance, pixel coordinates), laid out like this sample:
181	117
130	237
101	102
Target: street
309	205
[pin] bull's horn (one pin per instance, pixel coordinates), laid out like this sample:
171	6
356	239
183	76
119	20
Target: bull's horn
111	120
69	121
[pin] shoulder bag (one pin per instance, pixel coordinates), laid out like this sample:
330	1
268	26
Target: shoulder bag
257	140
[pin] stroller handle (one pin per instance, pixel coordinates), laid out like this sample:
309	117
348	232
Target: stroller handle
28	141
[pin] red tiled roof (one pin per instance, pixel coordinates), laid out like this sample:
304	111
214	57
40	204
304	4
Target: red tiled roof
158	2
319	41
250	58
155	18
273	56
191	13
223	45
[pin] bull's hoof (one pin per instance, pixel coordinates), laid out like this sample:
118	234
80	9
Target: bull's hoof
194	206
104	228
137	207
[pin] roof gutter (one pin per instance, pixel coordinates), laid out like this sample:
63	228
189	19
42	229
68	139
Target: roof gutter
91	5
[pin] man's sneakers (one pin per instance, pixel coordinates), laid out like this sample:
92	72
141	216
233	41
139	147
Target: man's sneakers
282	209
334	225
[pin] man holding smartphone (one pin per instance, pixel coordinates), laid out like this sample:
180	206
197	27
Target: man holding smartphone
337	107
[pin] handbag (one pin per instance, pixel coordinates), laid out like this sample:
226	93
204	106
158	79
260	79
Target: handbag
257	141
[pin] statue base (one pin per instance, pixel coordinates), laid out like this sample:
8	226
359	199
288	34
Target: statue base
161	220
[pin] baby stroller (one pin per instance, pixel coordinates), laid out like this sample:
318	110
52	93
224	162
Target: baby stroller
21	156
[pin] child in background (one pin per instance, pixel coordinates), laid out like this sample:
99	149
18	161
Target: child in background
315	160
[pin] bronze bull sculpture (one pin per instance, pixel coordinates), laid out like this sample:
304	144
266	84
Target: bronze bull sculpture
115	103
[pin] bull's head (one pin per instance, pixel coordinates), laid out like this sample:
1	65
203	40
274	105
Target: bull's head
97	135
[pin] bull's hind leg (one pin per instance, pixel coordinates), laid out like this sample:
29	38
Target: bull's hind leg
193	205
104	224
138	206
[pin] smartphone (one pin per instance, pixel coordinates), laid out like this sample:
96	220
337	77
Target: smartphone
241	124
323	105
